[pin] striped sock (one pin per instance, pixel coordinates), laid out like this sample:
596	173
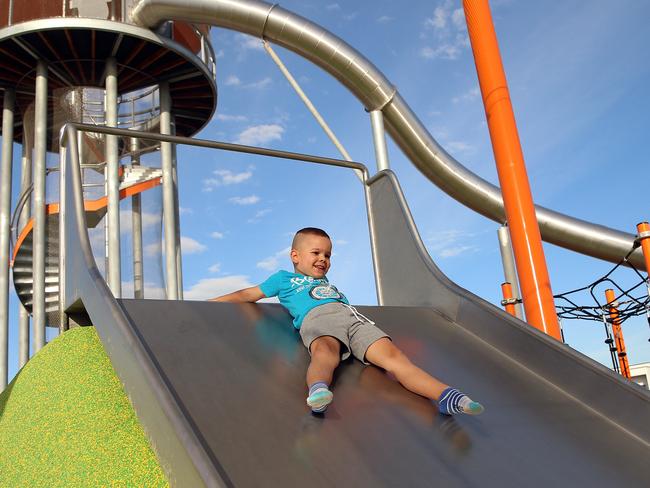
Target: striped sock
319	397
452	402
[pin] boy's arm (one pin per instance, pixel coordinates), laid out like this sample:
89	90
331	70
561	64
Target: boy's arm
252	294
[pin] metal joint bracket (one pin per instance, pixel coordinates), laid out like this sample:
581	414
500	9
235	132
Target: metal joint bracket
510	301
640	236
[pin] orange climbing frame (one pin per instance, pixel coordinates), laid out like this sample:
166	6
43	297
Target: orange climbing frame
520	211
623	362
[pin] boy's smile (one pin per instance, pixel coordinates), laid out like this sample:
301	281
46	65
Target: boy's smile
311	257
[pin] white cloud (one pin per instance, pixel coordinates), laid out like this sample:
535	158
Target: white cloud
220	54
250	42
185	210
459	147
451	243
217	235
333	6
224	177
249	200
232	80
444	51
151	290
188	246
258	85
215	268
148	220
259	215
214	287
450	32
191	246
153	249
272	263
384	19
231	118
260	134
469	96
340	242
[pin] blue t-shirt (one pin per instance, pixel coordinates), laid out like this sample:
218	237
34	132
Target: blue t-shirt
300	293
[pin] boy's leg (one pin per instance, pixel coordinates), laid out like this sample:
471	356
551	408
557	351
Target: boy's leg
325	357
386	355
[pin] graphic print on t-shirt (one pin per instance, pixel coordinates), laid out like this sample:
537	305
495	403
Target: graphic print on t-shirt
323	292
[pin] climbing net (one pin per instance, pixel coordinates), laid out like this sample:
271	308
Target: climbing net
629	302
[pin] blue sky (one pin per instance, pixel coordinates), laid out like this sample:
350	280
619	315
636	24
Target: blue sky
578	82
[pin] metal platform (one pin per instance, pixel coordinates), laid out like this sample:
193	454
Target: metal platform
75	51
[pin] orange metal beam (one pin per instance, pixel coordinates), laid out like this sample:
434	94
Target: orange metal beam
520	211
509	300
623	362
643	230
89	206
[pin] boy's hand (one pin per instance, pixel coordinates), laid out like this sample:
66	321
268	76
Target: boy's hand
252	294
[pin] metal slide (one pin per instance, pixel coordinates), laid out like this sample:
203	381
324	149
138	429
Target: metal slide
219	388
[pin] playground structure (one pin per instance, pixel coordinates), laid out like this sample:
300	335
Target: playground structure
57	280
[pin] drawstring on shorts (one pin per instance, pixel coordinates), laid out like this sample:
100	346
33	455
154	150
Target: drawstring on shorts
358	315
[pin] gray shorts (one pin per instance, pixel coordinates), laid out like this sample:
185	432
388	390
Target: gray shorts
336	320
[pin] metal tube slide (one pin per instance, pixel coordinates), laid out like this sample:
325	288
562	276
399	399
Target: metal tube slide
375	92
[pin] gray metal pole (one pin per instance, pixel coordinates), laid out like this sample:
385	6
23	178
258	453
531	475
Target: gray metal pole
509	269
40	231
169	212
379	139
177	208
136	224
114	271
5	228
25	214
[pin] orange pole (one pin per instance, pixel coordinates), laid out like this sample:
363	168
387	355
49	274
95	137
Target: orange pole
618	333
509	300
643	230
520	211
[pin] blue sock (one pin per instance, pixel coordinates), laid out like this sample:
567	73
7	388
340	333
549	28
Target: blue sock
452	402
319	397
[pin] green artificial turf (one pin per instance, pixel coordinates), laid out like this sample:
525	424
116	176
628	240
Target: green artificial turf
65	421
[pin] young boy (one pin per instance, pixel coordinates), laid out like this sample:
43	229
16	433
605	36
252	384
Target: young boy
331	329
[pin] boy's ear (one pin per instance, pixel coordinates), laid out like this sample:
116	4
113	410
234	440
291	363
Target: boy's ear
294	256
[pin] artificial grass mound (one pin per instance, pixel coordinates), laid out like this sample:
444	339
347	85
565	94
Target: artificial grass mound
66	421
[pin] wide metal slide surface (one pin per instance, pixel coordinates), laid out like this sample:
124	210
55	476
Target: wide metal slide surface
237	373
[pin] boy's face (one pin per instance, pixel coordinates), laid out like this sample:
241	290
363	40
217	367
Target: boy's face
311	256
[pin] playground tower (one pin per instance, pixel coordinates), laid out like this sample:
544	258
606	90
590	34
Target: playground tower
84	61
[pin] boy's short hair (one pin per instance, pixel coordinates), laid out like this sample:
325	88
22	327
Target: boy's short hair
308	231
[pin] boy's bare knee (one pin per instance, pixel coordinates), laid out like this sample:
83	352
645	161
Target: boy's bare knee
326	345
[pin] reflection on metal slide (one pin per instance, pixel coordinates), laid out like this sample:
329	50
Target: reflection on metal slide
219	388
311	41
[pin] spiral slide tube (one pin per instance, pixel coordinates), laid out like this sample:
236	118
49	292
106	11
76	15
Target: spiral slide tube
375	92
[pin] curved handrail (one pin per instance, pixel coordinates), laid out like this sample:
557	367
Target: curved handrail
374	90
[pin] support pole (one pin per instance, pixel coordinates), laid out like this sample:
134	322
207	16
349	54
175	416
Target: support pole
310	106
509	269
517	198
169	212
39	232
6	170
623	362
379	139
114	270
177	209
509	300
136	224
25	214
